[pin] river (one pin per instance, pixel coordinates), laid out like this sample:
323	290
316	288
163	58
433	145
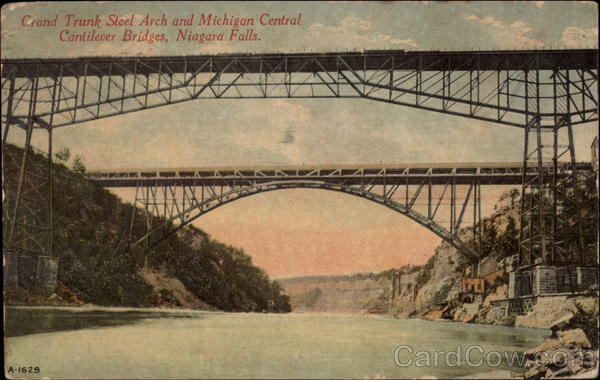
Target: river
148	343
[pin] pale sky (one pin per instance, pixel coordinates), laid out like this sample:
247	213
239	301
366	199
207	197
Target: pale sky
298	232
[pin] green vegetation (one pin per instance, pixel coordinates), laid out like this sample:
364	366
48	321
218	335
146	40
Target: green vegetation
508	242
63	155
500	244
425	273
20	296
168	296
90	227
78	165
220	275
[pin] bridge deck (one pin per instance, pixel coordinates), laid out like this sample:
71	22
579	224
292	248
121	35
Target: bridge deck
583	59
464	173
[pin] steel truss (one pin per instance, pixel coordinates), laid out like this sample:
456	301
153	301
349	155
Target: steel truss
486	85
441	208
490	173
517	305
27	186
536	90
553	212
438	196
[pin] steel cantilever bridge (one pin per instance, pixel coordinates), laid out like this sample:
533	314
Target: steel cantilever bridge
544	92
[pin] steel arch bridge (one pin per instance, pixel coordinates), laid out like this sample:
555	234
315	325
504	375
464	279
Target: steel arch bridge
544	92
440	197
193	212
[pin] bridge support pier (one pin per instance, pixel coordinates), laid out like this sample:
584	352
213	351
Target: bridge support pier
27	198
30	271
553	216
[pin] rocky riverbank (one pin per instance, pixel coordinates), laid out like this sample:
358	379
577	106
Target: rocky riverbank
572	349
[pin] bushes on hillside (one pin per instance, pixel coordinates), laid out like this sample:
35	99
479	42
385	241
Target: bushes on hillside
426	271
221	275
90	225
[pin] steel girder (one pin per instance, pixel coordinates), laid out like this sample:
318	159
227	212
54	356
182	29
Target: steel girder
496	86
497	173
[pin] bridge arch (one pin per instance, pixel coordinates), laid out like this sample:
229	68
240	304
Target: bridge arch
192	213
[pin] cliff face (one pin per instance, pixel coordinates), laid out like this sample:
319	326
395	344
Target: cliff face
188	269
170	292
445	280
437	282
440	280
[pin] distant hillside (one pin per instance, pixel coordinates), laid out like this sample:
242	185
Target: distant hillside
189	269
355	294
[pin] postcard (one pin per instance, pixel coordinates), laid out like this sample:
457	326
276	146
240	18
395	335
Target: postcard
294	190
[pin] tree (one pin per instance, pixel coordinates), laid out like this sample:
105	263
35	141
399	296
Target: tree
489	240
63	155
509	240
512	196
78	165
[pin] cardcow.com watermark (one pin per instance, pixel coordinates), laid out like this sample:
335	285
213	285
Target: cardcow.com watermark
477	356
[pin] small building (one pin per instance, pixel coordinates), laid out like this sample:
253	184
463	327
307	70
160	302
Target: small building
29	270
481	278
472	290
474	285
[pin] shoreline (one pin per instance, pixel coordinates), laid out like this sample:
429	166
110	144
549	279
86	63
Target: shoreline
89	306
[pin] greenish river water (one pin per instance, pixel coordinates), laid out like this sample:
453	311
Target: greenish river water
145	343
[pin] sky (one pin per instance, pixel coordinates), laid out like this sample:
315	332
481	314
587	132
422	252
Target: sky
302	232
